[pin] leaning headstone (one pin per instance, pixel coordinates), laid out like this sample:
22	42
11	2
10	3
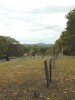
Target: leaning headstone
36	94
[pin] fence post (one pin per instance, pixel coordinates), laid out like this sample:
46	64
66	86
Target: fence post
46	72
54	61
50	69
54	56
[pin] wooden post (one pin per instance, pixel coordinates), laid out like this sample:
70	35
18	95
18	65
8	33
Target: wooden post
50	69
62	50
46	72
54	57
54	61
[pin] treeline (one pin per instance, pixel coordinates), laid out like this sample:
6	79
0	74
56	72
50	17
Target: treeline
9	48
67	38
37	50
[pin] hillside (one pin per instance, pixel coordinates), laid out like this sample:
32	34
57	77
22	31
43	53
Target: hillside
39	45
19	79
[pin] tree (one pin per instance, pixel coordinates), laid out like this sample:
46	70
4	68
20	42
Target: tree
10	47
67	37
71	31
58	46
71	22
42	51
65	42
16	50
3	47
35	51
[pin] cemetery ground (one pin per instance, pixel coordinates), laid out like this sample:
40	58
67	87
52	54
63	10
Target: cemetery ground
20	79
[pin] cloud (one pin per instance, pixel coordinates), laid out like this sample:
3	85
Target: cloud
34	21
53	9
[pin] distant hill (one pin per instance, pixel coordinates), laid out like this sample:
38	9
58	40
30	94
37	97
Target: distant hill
39	45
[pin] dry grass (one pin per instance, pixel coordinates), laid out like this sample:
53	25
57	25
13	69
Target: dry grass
19	80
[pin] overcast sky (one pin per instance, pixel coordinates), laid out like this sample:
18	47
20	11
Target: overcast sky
34	21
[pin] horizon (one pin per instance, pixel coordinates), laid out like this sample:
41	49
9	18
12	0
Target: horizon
37	43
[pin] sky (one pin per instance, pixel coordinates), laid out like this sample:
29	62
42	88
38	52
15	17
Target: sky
34	21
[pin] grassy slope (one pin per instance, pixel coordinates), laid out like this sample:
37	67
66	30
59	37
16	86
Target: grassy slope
19	80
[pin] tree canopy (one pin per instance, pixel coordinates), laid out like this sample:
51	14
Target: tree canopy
67	38
10	47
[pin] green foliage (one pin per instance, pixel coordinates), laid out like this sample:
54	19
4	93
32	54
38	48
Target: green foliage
10	47
16	50
35	50
71	22
58	46
3	46
67	38
40	49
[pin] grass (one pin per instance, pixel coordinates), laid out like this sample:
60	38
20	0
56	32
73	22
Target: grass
19	79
